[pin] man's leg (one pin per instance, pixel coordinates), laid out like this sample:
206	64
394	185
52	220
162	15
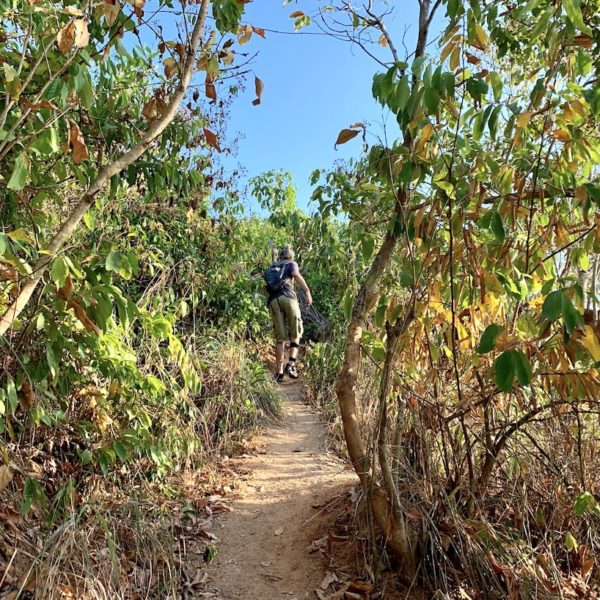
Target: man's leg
279	332
279	352
295	330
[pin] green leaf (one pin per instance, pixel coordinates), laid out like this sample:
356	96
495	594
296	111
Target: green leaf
505	370
573	10
522	367
18	179
571	317
497	226
113	261
10	74
496	82
570	542
347	303
121	451
552	307
489	337
11	395
85	457
3	243
59	271
367	244
432	100
402	93
584	502
47	142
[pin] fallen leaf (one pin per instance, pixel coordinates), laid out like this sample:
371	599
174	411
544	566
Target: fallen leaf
346	135
279	531
329	578
6	476
76	142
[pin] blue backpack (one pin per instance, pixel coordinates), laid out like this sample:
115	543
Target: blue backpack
274	277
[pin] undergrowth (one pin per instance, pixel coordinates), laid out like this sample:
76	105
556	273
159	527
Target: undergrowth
93	530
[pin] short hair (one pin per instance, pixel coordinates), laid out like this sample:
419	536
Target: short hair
286	253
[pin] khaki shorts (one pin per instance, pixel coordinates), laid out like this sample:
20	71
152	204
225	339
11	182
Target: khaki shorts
287	321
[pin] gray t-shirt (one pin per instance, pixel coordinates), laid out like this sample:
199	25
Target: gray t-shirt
291	269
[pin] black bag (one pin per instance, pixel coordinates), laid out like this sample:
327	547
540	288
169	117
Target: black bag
274	277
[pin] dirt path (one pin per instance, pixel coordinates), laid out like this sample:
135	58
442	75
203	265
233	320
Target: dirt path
263	543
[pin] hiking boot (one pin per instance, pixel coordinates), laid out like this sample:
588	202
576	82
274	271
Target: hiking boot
291	371
278	377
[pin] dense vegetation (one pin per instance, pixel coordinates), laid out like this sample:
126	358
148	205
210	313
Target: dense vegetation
456	266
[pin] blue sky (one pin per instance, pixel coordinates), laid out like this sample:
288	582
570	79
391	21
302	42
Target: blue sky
314	86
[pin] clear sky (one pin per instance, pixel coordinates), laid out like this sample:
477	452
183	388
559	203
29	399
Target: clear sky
314	86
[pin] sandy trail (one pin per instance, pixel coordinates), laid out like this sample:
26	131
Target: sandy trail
263	543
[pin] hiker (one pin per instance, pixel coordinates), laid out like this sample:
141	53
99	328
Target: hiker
285	310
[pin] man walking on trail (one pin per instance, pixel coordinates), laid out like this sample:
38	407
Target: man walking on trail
285	310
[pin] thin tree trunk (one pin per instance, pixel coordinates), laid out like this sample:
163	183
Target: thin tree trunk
396	536
72	222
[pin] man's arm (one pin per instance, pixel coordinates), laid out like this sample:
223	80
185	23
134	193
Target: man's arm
302	284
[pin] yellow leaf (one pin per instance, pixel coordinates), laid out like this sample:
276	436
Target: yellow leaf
481	36
523	119
455	58
590	342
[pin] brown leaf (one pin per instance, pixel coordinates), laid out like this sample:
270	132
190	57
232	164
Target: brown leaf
77	143
6	476
212	139
471	58
82	35
66	291
40	104
258	88
138	8
346	135
296	14
111	10
83	317
244	34
259	31
149	110
27	396
210	90
66	37
171	66
583	40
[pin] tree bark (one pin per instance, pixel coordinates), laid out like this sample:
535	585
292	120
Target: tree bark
72	222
